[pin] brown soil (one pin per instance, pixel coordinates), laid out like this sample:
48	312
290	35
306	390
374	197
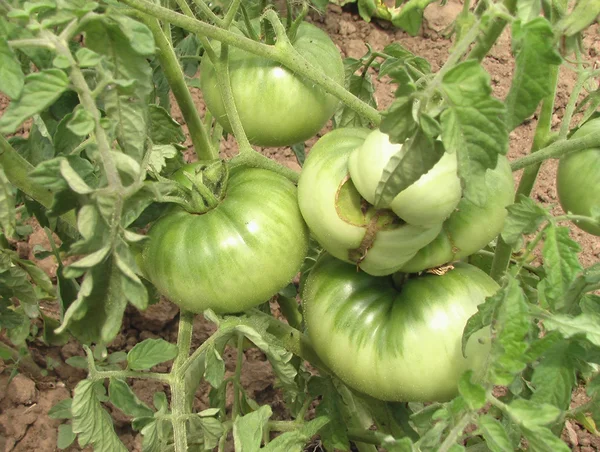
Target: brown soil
24	425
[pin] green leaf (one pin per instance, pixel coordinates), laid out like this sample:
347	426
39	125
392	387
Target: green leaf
8	216
531	414
411	16
536	54
295	441
65	436
473	126
586	281
561	263
91	422
149	353
495	435
11	75
299	150
87	58
583	15
37	275
138	35
79	267
511	329
586	325
486	313
131	284
473	393
82	123
398	120
75	181
524	217
417	156
40	91
542	439
160	154
248	429
215	367
62	410
362	87
554	376
162	127
121	396
334	435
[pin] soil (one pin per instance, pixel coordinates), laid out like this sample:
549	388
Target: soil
25	401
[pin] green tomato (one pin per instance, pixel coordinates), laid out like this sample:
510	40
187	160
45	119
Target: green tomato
373	239
396	343
470	227
276	106
578	180
427	202
235	256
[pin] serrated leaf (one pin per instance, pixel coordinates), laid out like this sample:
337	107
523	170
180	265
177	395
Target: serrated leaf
486	312
131	284
296	440
82	123
536	54
65	436
524	217
87	58
91	422
417	156
160	154
333	435
398	120
162	127
542	440
215	367
121	396
411	16
473	126
79	267
561	263
494	434
72	177
531	414
138	35
11	75
362	87
41	89
586	325
62	410
554	377
586	281
473	393
8	216
248	429
149	353
511	328
583	15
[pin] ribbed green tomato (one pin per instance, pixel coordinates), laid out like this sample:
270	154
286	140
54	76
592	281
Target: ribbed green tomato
396	344
427	202
470	227
276	106
232	257
376	240
578	180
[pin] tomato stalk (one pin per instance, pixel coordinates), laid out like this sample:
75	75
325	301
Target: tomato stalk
289	58
170	65
488	38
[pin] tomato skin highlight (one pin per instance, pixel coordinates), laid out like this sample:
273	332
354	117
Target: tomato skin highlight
396	344
276	107
578	180
232	257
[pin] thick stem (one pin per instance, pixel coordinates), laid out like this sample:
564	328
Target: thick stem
256	160
17	171
173	73
290	310
292	60
488	38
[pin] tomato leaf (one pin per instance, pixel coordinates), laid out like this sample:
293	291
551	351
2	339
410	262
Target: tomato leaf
162	127
554	376
486	313
473	393
65	436
149	353
81	123
248	429
40	91
8	218
62	410
536	55
295	441
524	217
583	15
398	120
362	87
90	421
401	172
11	75
511	329
542	439
587	280
121	396
411	16
496	438
561	264
334	434
473	126
587	325
215	367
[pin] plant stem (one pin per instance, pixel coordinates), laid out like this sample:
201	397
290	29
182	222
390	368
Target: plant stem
290	310
456	432
231	12
488	38
174	75
582	76
17	172
256	160
292	60
237	377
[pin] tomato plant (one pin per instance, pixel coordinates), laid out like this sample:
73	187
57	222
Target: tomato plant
276	106
237	254
578	181
397	341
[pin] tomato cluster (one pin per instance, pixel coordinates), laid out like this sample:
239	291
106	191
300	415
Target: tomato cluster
382	325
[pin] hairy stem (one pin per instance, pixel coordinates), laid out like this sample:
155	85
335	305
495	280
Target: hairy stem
488	38
173	73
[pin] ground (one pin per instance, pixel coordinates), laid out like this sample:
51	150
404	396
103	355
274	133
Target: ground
24	425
